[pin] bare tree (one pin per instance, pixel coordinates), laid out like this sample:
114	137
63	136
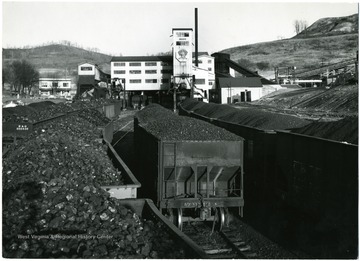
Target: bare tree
300	25
23	75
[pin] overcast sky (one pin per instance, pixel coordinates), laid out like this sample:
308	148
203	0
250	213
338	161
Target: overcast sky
144	28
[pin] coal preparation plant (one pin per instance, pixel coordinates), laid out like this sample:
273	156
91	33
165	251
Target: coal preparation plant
158	160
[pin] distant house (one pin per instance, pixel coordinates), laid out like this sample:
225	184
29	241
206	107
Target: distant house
240	89
54	86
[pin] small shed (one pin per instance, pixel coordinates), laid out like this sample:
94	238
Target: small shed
240	89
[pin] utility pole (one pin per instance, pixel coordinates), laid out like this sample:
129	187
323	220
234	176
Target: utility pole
174	98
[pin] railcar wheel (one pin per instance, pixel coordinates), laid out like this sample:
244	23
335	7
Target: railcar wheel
175	216
220	218
179	218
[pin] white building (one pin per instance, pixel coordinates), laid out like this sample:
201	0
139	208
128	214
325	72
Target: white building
204	76
54	86
142	73
155	75
240	89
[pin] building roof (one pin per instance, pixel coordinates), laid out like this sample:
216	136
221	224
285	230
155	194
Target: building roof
245	71
249	82
202	54
164	58
181	29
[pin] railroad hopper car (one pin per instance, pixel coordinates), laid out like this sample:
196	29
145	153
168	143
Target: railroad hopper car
189	178
300	190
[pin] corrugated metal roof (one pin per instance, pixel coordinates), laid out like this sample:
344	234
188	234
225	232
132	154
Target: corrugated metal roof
240	82
164	58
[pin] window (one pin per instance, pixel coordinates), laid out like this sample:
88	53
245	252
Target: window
165	64
135	71
150	64
119	72
210	83
182	43
54	84
65	84
150	71
164	80
209	61
135	64
86	68
167	71
44	84
199	81
135	81
182	34
119	64
209	68
151	80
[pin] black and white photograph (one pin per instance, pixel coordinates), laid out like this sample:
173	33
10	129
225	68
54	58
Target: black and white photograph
180	130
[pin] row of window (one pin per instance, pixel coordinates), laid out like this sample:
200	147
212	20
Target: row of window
182	43
118	64
55	84
149	80
146	63
86	68
197	81
182	34
139	71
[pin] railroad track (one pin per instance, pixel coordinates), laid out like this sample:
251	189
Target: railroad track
226	244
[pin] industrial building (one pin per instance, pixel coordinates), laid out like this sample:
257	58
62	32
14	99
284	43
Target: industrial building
92	81
54	86
185	73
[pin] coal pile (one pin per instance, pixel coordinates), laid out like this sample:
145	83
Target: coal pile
165	125
249	117
94	116
345	130
19	114
54	206
44	110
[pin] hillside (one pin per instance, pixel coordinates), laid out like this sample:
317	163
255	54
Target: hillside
339	101
333	112
57	57
327	41
331	26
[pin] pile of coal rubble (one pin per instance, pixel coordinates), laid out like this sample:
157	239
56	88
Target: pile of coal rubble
54	206
165	125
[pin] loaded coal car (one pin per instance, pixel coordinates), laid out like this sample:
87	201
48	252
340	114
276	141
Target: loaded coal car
301	190
191	169
257	128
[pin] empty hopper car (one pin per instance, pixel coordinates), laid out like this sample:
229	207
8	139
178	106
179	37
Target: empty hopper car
191	169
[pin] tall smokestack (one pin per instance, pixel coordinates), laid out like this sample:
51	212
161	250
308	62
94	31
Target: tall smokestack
196	39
